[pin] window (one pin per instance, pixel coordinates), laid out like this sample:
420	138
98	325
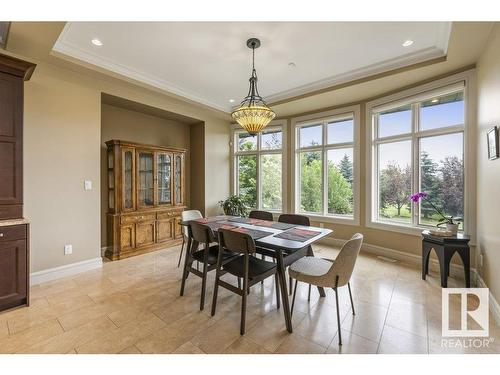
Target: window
258	168
418	145
325	159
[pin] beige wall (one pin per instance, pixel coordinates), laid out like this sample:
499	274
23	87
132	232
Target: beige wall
62	149
488	171
130	125
197	142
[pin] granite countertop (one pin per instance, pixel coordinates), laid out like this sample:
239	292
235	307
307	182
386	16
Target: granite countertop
5	223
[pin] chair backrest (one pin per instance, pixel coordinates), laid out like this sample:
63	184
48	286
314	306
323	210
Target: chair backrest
345	261
236	242
189	215
261	215
294	219
201	233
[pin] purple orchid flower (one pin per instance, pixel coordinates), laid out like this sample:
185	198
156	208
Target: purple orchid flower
417	197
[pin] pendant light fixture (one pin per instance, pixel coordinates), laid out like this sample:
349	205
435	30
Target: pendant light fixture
253	114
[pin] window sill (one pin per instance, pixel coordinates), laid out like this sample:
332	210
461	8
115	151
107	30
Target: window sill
331	219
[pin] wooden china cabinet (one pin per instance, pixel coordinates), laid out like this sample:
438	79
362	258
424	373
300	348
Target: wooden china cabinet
14	229
146	195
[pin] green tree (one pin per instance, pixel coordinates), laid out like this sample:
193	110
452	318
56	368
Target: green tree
271	181
340	197
345	167
395	186
310	182
429	183
451	186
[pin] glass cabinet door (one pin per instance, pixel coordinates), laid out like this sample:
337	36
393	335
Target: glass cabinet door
128	179
178	179
164	178
145	179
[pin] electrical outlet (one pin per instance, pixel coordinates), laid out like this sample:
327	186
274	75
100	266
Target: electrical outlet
87	185
68	249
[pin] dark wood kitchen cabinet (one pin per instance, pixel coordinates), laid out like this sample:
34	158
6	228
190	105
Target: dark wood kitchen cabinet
14	231
14	265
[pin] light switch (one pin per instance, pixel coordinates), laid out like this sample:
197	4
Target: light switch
88	185
68	249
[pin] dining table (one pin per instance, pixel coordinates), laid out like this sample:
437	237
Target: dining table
285	248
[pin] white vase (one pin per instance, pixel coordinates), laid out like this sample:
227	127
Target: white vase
453	228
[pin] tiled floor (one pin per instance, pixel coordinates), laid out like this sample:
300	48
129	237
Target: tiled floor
133	306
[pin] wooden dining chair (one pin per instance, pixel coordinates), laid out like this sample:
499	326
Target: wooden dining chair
329	273
245	266
297	220
186	216
261	215
208	256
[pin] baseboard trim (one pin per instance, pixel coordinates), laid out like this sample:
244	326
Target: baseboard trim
456	270
65	271
494	306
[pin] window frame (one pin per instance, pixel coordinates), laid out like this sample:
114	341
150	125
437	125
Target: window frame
464	81
324	118
276	124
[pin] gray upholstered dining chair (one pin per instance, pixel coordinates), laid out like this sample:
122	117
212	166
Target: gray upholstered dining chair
329	273
186	216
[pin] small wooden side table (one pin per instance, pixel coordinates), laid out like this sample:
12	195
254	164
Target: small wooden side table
445	247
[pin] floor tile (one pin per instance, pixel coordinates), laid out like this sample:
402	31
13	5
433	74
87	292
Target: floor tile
397	341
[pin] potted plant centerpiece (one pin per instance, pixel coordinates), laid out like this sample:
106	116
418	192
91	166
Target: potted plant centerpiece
234	206
451	222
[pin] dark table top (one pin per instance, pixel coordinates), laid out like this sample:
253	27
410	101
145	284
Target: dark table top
459	238
271	242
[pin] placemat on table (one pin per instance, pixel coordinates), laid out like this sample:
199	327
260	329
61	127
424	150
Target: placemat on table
254	233
262	223
205	220
216	225
298	234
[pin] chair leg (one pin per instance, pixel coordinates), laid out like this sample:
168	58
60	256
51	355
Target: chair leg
309	294
293	298
338	315
276	281
239	283
182	249
203	286
216	285
290	281
350	296
244	306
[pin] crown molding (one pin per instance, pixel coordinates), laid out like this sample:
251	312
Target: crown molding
410	60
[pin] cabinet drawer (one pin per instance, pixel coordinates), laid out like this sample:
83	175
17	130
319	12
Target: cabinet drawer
168	214
14	232
130	219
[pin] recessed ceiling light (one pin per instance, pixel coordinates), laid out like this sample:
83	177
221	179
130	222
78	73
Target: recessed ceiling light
434	100
231	100
407	43
96	42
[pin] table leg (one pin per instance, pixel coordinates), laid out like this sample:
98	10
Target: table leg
283	290
465	256
321	290
444	257
426	252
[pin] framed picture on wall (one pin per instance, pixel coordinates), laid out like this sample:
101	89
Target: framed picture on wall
492	137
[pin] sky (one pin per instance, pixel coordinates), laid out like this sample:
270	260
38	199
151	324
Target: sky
337	132
431	117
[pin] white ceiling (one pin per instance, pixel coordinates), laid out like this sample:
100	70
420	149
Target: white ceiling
209	62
